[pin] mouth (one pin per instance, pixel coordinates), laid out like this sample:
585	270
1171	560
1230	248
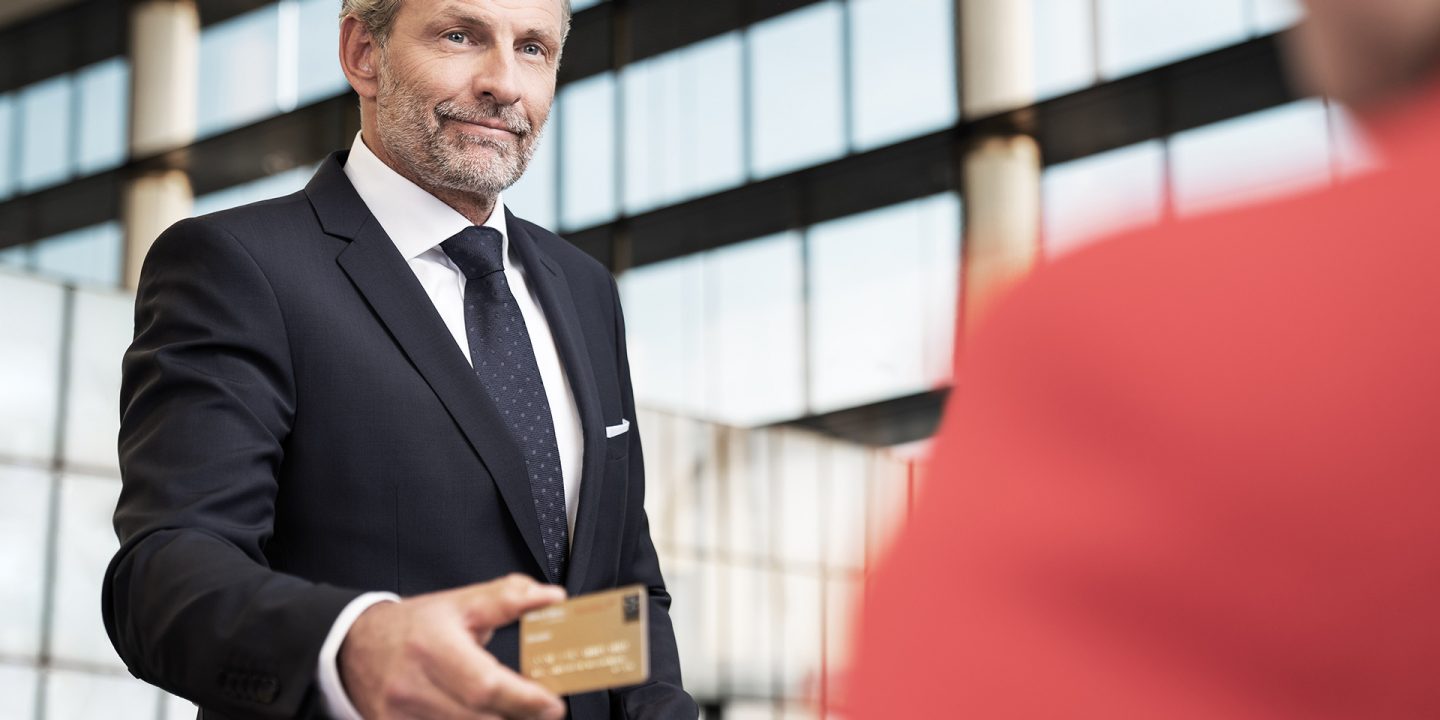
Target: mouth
488	127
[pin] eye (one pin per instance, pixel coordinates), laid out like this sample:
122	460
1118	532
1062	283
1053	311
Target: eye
457	37
535	49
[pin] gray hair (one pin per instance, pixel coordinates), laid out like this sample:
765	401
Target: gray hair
378	16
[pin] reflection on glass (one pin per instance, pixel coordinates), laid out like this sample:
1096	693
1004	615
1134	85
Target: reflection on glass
22	565
238	71
1094	196
1140	34
45	123
89	255
319	74
904	69
578	5
103	328
754	331
17	691
533	197
86	545
104	93
587	152
114	697
1064	46
30	367
884	288
1251	158
683	124
665	325
797	94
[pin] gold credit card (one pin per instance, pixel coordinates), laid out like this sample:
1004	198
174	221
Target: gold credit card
592	642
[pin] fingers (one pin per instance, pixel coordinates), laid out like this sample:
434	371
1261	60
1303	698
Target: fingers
477	681
501	602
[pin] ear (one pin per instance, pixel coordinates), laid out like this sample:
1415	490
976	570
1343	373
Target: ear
359	57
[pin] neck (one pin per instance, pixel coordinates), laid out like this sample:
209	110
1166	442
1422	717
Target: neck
475	207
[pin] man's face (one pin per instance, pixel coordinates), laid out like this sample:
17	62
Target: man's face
1366	52
465	88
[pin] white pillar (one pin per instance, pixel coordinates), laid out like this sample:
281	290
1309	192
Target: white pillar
164	60
1001	171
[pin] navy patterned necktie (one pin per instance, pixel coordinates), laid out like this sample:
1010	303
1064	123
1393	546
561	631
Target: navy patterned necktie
504	362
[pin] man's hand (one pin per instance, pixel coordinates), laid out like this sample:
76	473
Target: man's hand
423	657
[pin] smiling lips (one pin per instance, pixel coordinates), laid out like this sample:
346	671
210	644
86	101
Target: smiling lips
489	125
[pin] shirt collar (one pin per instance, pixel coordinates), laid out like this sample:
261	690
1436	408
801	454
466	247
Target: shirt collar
415	220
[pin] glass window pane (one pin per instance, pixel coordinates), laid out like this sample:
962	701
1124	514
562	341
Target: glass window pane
319	51
752	616
747	494
17	691
1113	191
103	327
904	69
894	273
7	144
799	537
533	196
578	5
683	124
1275	15
17	256
801	634
178	708
587	152
1064	46
1140	34
265	188
238	71
1256	157
664	323
104	92
74	695
45	133
88	255
86	545
23	530
844	468
755	330
796	101
30	367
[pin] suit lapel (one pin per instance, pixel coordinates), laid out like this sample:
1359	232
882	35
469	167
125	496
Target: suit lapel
382	276
553	289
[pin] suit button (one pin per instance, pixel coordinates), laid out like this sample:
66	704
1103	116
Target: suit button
266	690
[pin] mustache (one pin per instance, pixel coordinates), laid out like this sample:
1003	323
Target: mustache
511	115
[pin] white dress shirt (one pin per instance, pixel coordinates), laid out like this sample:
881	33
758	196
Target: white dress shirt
418	222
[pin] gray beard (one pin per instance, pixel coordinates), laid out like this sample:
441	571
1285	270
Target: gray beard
413	136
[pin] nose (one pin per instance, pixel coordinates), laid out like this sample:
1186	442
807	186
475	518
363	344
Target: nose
498	76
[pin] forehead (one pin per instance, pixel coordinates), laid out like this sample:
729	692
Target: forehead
544	14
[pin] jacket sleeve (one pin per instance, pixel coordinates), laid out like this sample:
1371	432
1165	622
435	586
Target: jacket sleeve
207	401
664	696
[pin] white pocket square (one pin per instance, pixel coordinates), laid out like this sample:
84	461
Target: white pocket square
621	429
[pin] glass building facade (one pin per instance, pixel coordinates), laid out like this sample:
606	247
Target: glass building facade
774	184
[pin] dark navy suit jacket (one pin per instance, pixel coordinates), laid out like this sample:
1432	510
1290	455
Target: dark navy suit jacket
299	426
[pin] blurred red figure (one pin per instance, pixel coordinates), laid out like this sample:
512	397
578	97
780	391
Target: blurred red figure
1195	473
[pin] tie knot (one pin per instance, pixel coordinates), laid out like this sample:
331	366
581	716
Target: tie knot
476	250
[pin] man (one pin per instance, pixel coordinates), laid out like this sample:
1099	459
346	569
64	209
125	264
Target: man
385	382
1192	473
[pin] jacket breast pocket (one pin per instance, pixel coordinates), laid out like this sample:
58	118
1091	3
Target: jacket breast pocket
617	440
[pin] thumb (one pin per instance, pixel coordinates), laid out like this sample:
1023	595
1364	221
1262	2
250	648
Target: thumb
500	602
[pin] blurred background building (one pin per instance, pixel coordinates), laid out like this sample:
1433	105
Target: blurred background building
782	187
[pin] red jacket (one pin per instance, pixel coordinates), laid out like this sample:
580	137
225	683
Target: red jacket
1190	473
